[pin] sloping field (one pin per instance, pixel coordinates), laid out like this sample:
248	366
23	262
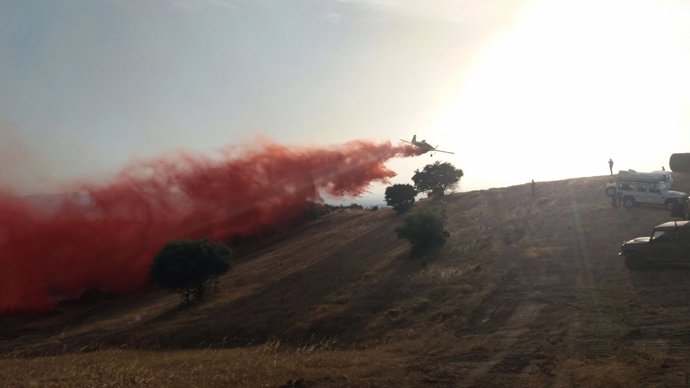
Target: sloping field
527	292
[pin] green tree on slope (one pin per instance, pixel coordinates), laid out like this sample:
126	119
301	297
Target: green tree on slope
187	267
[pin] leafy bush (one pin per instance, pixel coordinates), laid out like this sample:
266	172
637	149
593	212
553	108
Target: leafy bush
424	229
437	178
187	267
401	197
316	210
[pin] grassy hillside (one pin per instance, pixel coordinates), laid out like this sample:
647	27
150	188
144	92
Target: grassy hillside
527	292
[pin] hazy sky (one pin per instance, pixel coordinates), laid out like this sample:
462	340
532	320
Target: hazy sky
519	89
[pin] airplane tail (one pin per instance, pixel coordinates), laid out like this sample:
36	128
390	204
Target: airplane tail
414	138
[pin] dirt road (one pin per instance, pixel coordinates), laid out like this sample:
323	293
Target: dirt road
567	312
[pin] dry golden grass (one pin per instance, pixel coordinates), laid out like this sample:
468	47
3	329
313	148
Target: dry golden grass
269	365
527	292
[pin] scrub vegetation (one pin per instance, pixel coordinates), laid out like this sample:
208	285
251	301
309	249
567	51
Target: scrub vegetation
424	229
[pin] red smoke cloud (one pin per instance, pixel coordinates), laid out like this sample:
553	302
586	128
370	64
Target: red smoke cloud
106	236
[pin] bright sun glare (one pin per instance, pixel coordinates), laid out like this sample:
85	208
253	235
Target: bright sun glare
572	84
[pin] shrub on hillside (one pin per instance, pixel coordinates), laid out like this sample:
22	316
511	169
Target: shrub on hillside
315	210
400	197
424	229
188	266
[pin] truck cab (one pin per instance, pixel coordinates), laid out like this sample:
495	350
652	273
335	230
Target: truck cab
668	243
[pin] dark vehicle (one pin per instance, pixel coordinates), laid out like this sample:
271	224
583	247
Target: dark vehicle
669	243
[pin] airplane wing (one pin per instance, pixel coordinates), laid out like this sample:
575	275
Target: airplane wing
447	152
406	141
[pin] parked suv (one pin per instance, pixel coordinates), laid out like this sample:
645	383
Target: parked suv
668	243
632	188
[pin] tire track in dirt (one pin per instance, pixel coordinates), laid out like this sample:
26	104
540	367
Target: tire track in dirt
549	308
586	331
506	315
615	326
598	334
658	318
659	325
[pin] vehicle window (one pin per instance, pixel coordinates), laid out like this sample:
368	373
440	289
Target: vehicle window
641	187
653	189
660	236
664	235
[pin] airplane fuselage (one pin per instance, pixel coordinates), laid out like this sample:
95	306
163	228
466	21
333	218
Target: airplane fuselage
424	146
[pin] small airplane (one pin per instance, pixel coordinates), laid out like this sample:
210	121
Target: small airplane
424	146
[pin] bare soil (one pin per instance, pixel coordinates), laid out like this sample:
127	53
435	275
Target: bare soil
529	291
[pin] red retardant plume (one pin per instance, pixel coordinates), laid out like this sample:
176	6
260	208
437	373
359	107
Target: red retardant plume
104	237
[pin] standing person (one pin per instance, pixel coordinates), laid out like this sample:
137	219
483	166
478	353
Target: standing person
534	189
611	166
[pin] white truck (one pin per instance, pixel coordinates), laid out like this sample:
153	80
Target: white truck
654	188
